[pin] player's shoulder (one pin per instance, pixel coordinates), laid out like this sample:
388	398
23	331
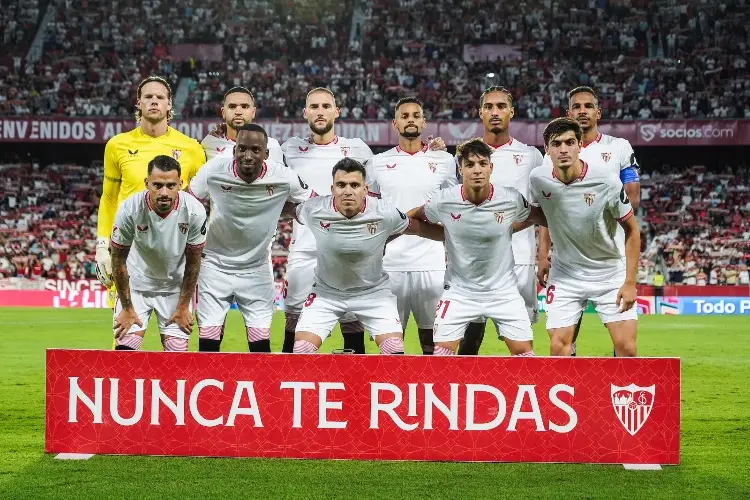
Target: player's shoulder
218	164
452	193
123	138
318	203
357	147
185	141
441	156
278	172
191	204
384	157
134	204
295	142
273	143
613	141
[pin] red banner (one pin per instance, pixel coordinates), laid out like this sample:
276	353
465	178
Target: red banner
50	298
372	407
381	133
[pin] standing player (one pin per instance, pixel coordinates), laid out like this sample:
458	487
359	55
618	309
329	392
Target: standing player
407	176
513	162
351	231
584	206
247	194
599	151
166	229
237	109
479	220
126	157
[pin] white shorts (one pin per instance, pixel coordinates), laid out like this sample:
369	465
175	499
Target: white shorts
526	275
162	303
567	298
418	293
300	276
458	308
252	291
376	309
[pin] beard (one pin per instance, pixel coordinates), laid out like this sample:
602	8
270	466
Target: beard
411	133
322	129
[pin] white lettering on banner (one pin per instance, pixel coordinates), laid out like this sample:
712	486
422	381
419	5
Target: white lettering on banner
376	406
535	414
720	307
177	407
78	285
555	400
253	411
650	131
111	129
193	404
114	409
191	129
502	407
324	405
297	387
76	394
431	400
13	129
744	306
88	299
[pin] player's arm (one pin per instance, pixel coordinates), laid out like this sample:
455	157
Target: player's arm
425	229
198	186
122	238
299	192
106	213
182	315
629	176
373	188
536	217
622	209
544	243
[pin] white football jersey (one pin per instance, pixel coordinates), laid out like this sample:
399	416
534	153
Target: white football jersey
407	181
314	163
611	153
156	262
583	221
244	216
478	237
513	163
224	147
350	251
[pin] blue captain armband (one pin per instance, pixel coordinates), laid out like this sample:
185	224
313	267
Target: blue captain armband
628	175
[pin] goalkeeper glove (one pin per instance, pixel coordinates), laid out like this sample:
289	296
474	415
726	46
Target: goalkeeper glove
103	262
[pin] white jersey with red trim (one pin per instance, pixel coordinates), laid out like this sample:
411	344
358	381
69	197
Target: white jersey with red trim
314	163
408	180
156	262
513	163
583	221
224	147
244	215
611	153
478	237
350	251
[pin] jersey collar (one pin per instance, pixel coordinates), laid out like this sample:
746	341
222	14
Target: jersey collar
423	150
237	175
489	196
598	138
336	209
579	178
495	148
175	205
334	141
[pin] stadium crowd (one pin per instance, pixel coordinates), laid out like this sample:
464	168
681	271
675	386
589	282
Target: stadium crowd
648	59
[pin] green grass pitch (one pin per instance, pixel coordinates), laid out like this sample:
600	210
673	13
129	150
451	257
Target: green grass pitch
715	455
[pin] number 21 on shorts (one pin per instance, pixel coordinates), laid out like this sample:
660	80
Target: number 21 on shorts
443	304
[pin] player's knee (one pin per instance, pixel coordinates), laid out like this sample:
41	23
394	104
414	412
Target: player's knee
211	332
392	345
626	349
175	344
255	334
129	342
304	347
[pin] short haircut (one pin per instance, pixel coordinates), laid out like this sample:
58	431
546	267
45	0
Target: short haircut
349	165
151	79
319	89
408	100
253	127
495	88
475	147
239	90
560	126
583	90
165	164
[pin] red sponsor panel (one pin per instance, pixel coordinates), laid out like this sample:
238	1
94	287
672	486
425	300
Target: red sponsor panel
593	410
54	298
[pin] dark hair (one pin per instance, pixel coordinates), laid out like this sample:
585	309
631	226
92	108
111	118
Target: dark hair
151	79
253	127
475	147
239	90
349	165
583	90
495	88
560	126
165	164
407	100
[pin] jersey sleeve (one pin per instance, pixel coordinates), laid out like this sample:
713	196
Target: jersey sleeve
197	158
452	178
533	194
364	153
432	208
618	203
199	185
198	225
302	212
538	157
628	164
274	151
373	188
523	208
110	191
299	191
396	220
123	229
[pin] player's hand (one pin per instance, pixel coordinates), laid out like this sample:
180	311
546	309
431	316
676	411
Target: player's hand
436	143
542	273
103	262
220	130
626	296
183	318
124	321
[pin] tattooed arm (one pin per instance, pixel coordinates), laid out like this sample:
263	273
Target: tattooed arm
127	317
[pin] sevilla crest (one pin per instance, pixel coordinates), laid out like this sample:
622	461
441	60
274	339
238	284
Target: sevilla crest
176	153
588	198
606	157
345	150
518	159
433	166
633	405
183	227
499	217
372	227
270	189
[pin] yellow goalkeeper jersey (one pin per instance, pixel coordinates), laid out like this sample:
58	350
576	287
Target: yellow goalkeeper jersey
126	158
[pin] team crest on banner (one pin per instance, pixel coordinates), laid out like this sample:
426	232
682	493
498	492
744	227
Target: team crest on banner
606	156
633	405
270	189
345	150
183	227
518	159
372	227
499	217
176	153
433	166
588	198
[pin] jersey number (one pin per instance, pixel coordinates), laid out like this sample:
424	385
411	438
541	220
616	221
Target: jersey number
444	304
550	294
310	299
